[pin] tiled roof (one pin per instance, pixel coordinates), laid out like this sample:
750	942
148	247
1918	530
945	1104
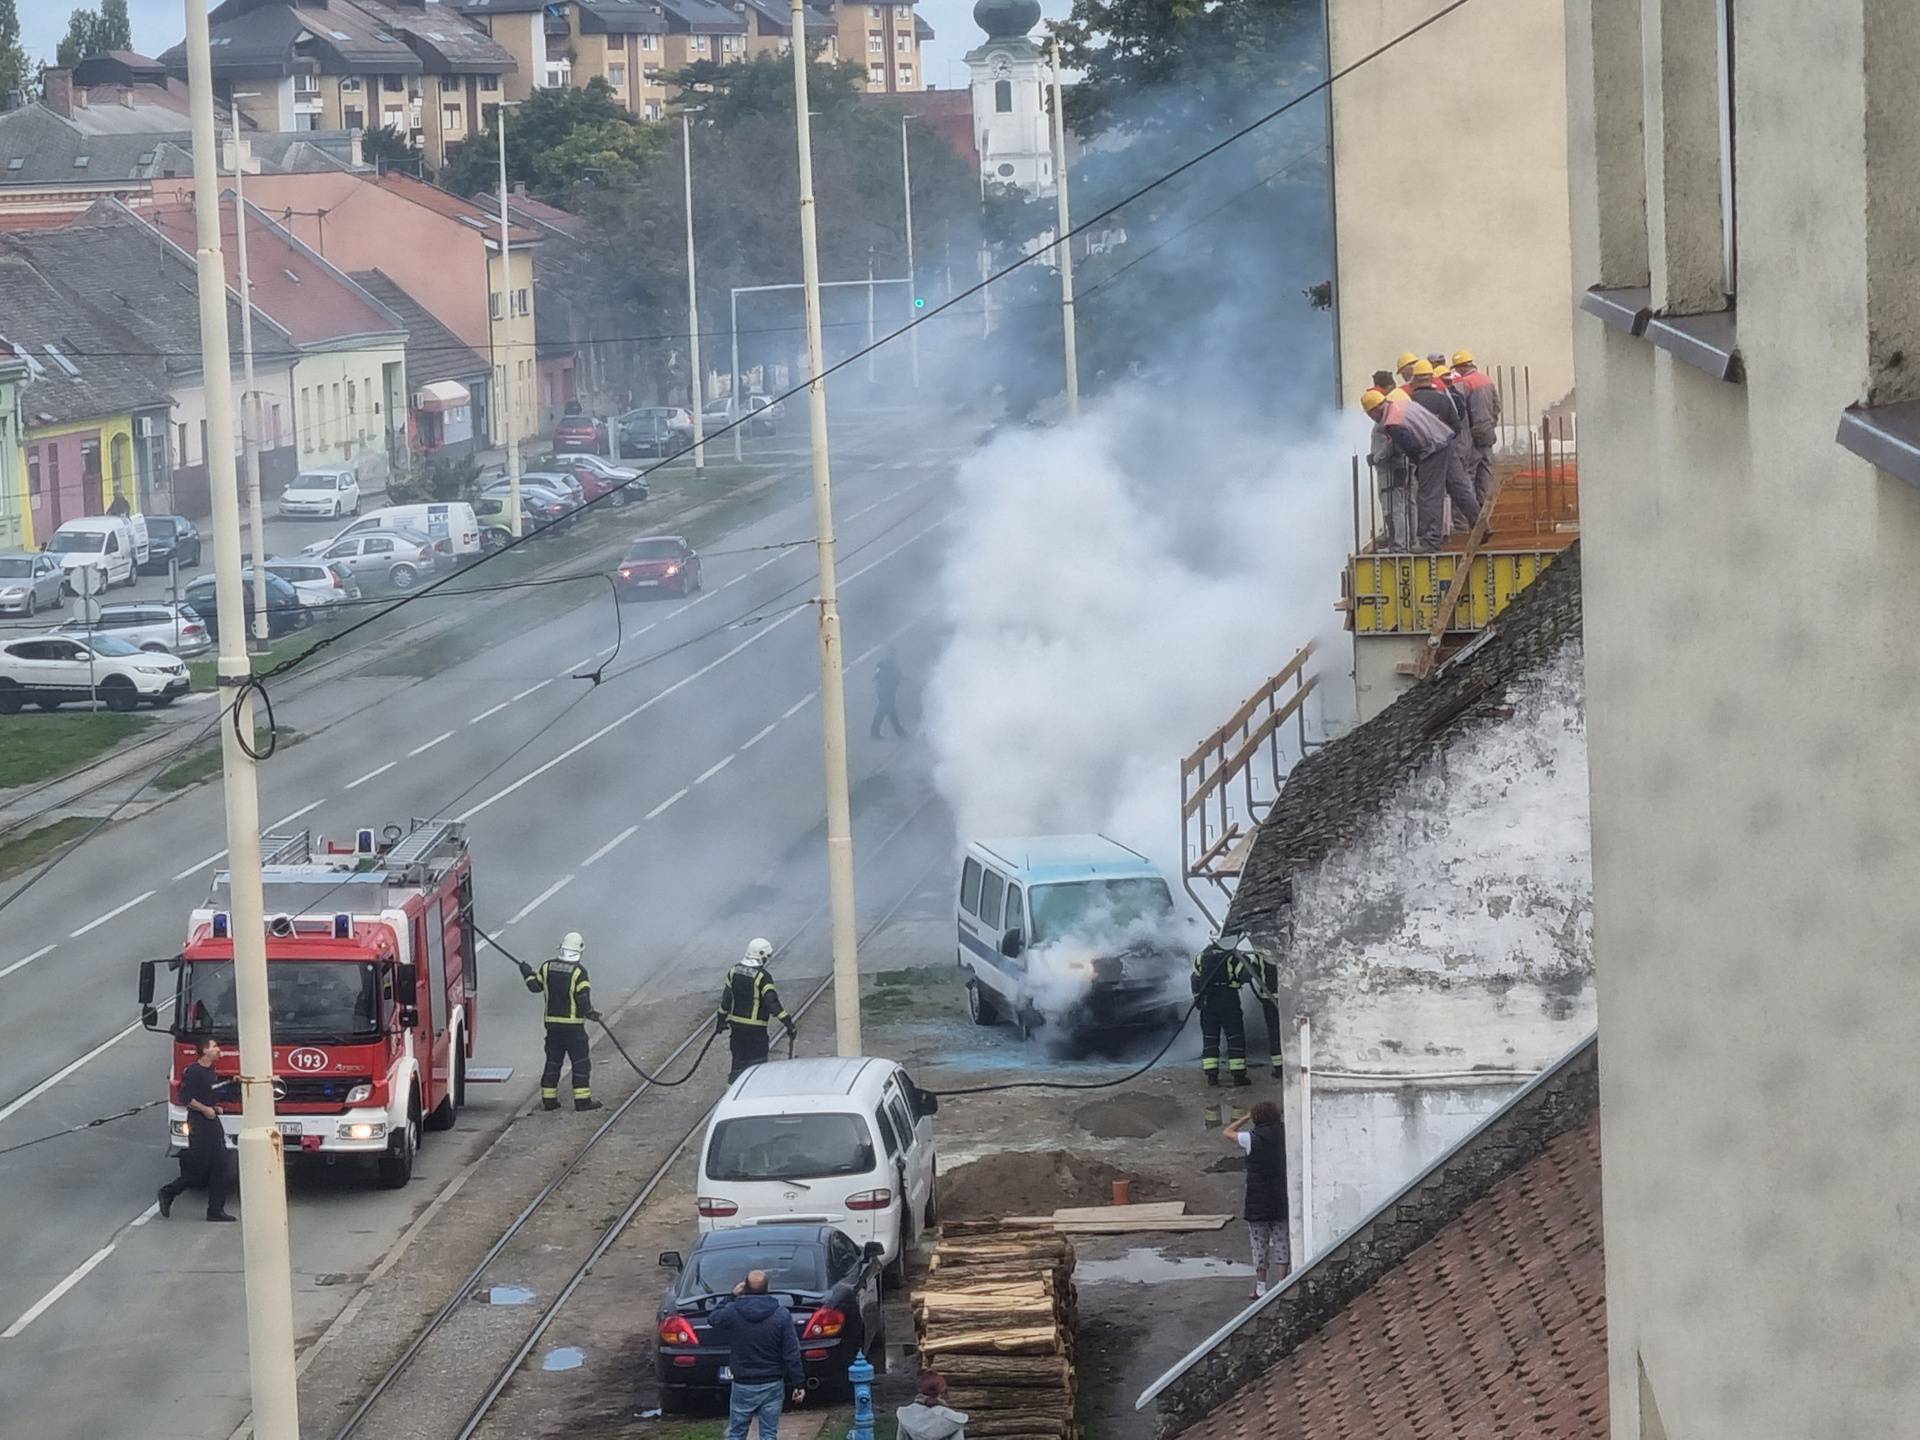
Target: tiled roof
249	42
500	7
525	210
445	202
433	351
112	378
1331	795
50	150
704	17
345	37
446	43
1494	1327
621	17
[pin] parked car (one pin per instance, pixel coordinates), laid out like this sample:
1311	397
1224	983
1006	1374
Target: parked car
580	432
559	478
536	513
658	562
550	505
30	583
595	486
845	1141
830	1284
154	625
171	537
52	670
389	557
285	613
449	524
108	543
636	487
763	415
317	581
657	431
329	492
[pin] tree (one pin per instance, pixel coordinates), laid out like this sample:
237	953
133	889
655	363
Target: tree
94	32
388	148
557	139
16	74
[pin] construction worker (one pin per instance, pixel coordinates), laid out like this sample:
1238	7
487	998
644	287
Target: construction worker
1426	442
569	1005
1440	403
1218	972
1483	418
1403	367
748	1005
1461	477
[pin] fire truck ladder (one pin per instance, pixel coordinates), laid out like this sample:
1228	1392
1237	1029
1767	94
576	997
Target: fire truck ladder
294	849
1214	840
411	856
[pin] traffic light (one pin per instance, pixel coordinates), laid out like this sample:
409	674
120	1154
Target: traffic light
919	302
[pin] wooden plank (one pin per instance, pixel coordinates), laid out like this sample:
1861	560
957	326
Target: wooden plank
1252	703
1206	856
1237	762
1462	577
1236	861
1120	1212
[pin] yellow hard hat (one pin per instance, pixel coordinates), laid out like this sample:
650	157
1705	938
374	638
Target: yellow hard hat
1463	357
1422	367
1407	357
1372	399
1442	370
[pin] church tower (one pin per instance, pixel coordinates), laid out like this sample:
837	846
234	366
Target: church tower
1010	120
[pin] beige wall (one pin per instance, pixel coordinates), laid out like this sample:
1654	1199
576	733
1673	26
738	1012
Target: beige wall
522	37
857	24
335	397
525	372
1449	188
1751	679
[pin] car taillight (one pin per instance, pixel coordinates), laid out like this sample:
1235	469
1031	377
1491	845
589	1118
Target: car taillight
193	629
674	1330
714	1208
825	1324
330	575
626	572
870	1200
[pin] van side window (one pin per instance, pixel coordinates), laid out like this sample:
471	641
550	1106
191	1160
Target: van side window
970	886
902	1117
1015	917
991	887
887	1136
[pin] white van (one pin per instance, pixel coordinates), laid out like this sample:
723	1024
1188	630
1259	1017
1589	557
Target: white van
446	522
116	545
841	1142
1076	925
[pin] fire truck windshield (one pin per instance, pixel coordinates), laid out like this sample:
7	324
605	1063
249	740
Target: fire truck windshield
310	999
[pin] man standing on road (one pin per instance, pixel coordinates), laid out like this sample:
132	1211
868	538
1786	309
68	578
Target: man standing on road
569	1005
886	697
206	1159
763	1353
748	1006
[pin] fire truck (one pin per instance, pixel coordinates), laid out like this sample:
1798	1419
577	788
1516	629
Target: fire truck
372	987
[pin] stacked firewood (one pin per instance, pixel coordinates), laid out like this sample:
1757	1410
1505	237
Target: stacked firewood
996	1317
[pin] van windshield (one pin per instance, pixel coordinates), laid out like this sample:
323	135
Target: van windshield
77	542
1083	905
789	1147
309	999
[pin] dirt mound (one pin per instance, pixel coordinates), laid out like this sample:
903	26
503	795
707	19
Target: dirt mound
1027	1182
1131	1117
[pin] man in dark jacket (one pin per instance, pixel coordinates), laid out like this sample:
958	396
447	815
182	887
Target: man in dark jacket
1417	434
763	1353
1455	479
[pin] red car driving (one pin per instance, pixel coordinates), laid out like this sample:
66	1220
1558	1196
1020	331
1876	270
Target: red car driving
658	563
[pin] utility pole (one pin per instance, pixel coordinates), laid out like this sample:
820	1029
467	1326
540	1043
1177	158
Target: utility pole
269	1269
506	336
833	694
870	363
249	402
913	283
733	329
1065	245
696	389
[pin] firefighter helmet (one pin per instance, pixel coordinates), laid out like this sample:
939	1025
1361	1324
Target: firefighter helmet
759	952
573	945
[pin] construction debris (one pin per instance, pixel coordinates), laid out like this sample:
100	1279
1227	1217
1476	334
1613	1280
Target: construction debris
1160	1215
997	1317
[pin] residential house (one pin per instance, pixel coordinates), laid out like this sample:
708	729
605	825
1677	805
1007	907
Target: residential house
93	410
348	388
14	531
702	30
442	250
413	66
111	260
443	373
770	28
1745	246
886	39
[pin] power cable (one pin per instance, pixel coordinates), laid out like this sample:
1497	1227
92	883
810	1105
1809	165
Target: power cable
92	1124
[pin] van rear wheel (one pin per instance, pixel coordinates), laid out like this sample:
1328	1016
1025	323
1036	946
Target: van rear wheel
981	1008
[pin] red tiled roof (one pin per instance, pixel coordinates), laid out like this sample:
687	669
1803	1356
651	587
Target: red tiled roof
445	202
1495	1327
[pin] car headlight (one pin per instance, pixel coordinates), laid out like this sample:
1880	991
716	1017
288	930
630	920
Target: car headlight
359	1094
155	669
13	592
178	1128
363	1130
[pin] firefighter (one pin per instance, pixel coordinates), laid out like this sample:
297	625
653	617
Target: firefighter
748	1005
569	1005
1218	972
1263	978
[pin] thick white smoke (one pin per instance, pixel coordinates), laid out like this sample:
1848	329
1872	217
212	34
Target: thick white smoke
1116	587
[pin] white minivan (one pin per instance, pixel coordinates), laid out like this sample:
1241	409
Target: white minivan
116	545
846	1142
446	522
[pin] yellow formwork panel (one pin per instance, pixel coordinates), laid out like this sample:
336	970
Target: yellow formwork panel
1399	594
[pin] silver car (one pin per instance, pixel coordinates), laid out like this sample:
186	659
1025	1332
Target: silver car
30	583
317	582
156	626
390	557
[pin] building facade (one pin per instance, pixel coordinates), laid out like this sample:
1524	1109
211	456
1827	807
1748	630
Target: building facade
14	533
1745	242
1011	116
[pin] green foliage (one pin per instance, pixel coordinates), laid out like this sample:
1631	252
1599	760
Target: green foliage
94	32
557	141
390	148
15	71
762	88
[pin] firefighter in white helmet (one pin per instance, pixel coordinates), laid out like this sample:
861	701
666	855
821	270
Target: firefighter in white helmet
748	1006
569	1005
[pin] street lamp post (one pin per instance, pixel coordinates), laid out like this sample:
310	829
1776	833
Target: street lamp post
507	426
697	389
913	283
833	694
1066	246
249	402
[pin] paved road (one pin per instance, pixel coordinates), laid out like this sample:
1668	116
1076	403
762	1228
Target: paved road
667	813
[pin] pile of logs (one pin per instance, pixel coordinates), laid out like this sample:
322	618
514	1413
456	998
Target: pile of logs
997	1318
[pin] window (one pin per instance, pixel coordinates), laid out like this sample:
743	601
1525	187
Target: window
888	1138
450	117
53	467
970	886
393	84
876	12
992	887
33	470
355	117
393	117
493	306
876	75
903	42
339	415
378	545
617	76
1003	97
521	304
649	42
906	75
489	84
876	43
205	458
1085	906
353	406
180	455
1013	917
350	84
437	967
789	1147
653	110
697	45
730	43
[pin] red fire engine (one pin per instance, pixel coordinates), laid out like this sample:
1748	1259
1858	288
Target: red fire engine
371	981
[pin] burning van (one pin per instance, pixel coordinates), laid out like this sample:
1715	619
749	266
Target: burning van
1073	930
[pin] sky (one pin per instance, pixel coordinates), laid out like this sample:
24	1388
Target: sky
157	25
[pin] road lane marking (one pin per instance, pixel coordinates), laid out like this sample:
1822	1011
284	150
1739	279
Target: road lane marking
54	1079
761	736
526	692
495	710
736	580
864	656
145	1215
47	1301
22	964
797	706
117	910
372	774
541	899
770	560
673	799
712	770
599	854
213	859
422	749
289	819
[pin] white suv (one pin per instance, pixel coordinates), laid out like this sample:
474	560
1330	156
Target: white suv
841	1142
49	670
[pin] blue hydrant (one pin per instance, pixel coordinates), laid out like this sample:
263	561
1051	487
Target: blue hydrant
860	1373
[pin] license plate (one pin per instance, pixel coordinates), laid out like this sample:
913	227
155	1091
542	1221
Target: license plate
290	1129
726	1373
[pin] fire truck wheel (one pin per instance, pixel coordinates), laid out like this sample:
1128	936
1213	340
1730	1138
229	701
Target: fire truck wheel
460	1074
448	1110
396	1166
